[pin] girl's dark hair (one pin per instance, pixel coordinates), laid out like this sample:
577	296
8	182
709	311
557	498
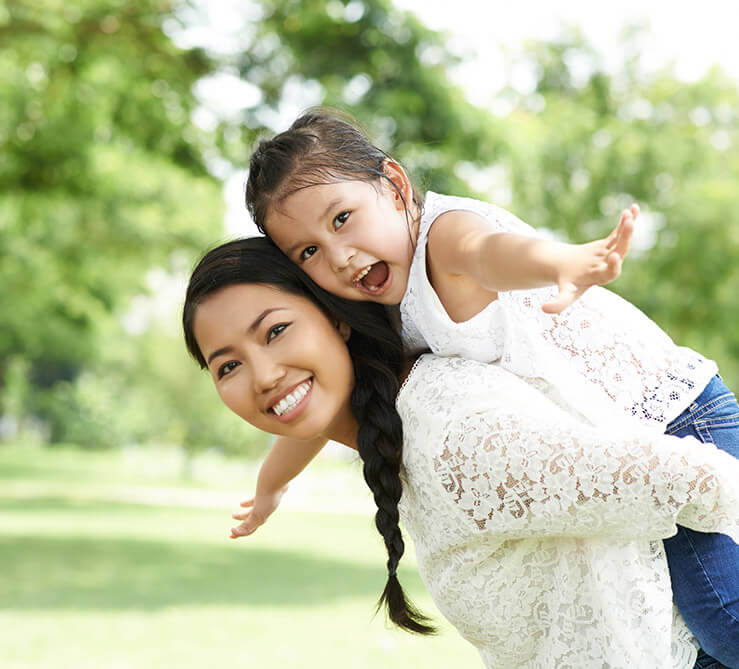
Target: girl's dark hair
321	146
377	354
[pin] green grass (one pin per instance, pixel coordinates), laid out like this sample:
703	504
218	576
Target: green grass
91	581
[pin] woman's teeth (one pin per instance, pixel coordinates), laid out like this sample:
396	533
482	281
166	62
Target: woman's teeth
290	401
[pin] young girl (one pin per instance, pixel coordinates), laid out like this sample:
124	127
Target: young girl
348	215
536	534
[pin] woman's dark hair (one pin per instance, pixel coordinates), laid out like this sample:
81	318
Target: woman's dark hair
321	146
377	354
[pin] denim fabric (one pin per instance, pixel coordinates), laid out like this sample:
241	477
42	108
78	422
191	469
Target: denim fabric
707	662
704	567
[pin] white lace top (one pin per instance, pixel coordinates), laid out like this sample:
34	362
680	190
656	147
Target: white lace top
539	535
600	354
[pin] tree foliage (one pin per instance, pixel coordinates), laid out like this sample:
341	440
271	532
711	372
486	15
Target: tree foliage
103	175
585	143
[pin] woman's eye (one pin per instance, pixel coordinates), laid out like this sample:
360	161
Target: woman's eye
276	331
227	368
340	219
307	252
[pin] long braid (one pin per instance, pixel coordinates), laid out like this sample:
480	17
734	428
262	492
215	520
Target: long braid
379	441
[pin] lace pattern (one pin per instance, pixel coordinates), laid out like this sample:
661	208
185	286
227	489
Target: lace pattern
603	356
538	535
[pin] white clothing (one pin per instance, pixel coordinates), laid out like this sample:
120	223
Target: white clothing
539	535
602	355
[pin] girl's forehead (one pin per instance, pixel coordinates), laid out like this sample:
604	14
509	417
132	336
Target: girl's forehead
306	205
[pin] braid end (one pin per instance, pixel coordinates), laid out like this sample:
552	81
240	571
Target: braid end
401	611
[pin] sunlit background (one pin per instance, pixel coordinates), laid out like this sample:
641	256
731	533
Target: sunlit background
125	130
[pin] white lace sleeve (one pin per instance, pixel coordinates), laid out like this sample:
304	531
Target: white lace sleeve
522	474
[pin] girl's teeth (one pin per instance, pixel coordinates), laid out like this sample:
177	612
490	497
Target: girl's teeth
362	274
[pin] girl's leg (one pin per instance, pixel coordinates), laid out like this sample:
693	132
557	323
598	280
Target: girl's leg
704	567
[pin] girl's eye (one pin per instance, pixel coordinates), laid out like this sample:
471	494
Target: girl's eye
276	331
307	252
340	219
227	368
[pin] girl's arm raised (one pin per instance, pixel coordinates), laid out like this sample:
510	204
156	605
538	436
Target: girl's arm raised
462	247
285	460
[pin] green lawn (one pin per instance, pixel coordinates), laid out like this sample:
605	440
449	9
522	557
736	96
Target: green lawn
90	577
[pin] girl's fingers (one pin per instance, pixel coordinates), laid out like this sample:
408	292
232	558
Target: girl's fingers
620	238
240	516
565	298
242	530
247	502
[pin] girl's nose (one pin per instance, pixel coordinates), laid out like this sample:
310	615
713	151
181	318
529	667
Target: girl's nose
340	258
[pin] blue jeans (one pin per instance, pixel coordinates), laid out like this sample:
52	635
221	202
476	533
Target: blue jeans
704	567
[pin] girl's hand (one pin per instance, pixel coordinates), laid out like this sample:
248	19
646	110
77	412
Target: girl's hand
262	507
593	264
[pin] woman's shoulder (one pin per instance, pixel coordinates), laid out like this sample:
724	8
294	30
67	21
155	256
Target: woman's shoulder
453	387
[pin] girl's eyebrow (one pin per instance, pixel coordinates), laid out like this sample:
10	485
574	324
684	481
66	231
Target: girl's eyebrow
251	329
329	207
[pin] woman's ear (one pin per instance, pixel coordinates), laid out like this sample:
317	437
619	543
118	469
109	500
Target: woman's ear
397	175
344	330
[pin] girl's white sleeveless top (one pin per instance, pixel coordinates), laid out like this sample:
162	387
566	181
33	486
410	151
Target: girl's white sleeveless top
602	355
538	534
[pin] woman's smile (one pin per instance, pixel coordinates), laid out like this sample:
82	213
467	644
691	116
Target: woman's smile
277	360
290	404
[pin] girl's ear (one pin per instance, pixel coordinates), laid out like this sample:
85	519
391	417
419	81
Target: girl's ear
344	330
397	175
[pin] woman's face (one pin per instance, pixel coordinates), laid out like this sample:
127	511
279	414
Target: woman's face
278	361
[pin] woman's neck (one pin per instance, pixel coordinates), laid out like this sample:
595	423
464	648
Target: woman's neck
345	428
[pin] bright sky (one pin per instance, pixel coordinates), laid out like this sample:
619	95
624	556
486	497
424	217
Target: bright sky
693	34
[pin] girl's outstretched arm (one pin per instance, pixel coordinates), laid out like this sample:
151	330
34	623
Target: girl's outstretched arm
463	250
285	460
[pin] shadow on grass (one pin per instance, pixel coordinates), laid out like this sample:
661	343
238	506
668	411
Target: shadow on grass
84	573
56	504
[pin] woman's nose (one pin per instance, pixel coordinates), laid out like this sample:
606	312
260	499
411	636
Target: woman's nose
267	373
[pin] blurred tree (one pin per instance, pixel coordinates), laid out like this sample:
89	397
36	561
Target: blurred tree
102	173
143	390
380	63
584	143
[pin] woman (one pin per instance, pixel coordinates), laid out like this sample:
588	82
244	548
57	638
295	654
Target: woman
543	551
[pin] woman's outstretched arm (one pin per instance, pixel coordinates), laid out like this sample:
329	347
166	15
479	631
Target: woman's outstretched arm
544	473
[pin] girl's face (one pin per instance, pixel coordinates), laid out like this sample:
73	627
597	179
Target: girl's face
277	361
350	237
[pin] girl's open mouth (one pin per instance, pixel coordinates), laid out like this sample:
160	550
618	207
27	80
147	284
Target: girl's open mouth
373	278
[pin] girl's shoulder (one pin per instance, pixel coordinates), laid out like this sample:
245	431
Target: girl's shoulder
501	220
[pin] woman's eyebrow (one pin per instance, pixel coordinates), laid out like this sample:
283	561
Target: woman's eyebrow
251	329
220	351
261	317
